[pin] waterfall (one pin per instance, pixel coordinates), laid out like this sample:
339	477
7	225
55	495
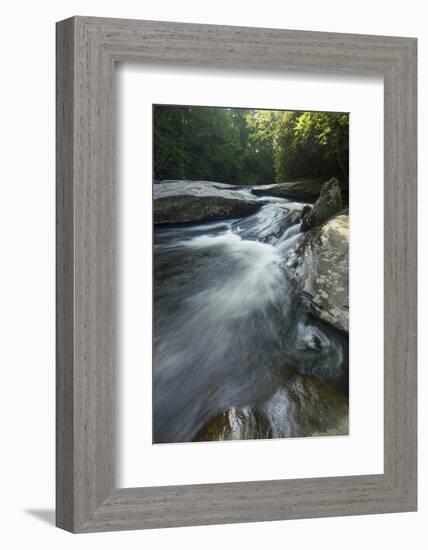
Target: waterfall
228	323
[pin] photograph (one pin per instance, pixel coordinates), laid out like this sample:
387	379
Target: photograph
250	276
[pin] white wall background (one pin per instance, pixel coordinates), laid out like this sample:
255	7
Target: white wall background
27	272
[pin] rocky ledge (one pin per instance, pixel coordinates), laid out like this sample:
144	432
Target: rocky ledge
306	190
302	407
180	201
319	267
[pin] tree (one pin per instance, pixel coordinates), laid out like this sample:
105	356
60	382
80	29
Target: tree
312	144
248	146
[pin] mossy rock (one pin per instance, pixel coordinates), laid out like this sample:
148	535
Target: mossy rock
320	268
191	209
305	190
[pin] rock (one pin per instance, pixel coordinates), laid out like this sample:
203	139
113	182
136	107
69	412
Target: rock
319	267
177	201
301	407
187	209
306	209
305	407
271	222
328	203
235	424
173	188
306	190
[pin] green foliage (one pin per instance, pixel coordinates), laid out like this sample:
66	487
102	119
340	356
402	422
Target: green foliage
248	146
312	144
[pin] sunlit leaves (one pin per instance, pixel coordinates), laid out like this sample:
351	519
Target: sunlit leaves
248	146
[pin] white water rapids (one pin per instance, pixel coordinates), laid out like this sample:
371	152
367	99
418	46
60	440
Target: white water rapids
228	323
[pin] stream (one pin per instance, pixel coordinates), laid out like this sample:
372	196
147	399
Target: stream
229	326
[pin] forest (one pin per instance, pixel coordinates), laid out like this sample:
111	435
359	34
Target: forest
248	146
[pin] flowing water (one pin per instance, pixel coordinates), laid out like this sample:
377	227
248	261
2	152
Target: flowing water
228	323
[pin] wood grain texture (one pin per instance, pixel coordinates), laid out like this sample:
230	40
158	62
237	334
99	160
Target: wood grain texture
87	50
64	276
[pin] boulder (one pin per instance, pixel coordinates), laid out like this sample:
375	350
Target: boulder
319	267
305	407
187	209
328	203
271	222
302	406
178	201
235	424
305	190
172	188
306	209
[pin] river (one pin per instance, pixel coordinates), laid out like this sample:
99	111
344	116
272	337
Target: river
229	325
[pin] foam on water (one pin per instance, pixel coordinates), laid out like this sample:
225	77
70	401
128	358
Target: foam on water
227	320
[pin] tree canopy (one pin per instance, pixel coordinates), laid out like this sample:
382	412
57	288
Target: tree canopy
248	146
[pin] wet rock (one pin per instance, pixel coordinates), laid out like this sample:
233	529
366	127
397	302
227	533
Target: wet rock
305	407
306	209
270	223
302	406
178	201
169	188
319	267
174	210
306	190
322	351
235	424
328	203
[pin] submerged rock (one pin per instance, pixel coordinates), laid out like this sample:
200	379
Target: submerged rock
178	201
306	190
305	407
328	203
319	266
235	424
271	223
302	406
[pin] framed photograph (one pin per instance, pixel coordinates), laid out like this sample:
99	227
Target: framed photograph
236	274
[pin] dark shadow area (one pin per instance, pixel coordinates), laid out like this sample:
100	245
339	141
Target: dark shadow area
47	515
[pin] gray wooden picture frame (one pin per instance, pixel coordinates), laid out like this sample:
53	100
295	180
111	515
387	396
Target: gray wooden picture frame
87	50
